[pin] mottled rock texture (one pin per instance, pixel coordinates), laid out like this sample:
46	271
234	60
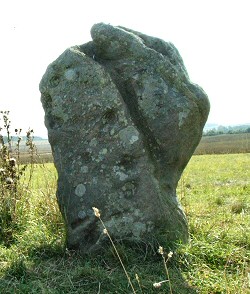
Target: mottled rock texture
123	120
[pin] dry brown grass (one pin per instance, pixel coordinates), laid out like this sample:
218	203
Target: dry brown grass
224	144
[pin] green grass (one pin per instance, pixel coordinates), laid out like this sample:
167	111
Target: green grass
214	192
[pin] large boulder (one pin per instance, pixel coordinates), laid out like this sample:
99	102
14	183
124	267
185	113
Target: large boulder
123	120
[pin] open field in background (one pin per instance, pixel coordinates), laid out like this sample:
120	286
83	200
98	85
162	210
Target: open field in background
214	192
220	144
224	144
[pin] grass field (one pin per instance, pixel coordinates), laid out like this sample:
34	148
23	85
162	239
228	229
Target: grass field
214	192
220	144
224	144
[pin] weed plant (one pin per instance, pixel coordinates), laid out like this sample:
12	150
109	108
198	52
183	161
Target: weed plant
12	186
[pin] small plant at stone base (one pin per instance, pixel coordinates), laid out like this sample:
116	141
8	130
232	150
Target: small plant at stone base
165	260
105	231
11	172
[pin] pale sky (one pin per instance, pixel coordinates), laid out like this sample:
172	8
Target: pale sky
212	36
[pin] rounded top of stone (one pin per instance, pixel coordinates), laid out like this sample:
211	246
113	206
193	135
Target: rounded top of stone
113	42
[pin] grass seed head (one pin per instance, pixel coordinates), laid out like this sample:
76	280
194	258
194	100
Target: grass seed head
157	285
96	212
12	161
137	277
9	181
170	254
160	250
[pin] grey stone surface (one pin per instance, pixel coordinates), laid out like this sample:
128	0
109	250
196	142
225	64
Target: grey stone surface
123	120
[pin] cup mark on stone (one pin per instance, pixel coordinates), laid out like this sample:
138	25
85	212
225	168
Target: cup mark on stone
80	190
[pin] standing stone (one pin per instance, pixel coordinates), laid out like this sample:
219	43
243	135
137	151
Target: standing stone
123	120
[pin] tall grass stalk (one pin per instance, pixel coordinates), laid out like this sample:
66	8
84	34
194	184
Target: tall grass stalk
105	231
165	260
139	282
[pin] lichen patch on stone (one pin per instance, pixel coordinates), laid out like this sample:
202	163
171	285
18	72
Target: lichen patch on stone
80	190
129	135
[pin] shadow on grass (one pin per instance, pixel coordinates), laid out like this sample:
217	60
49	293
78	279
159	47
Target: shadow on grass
51	269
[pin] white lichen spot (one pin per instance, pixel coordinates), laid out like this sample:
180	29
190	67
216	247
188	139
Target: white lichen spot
182	117
94	181
138	213
94	159
57	108
122	176
102	154
104	151
80	190
93	142
70	74
112	132
129	135
84	169
139	229
123	120
133	139
82	214
116	168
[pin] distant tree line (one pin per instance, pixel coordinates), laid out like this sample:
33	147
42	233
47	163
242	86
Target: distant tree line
220	130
